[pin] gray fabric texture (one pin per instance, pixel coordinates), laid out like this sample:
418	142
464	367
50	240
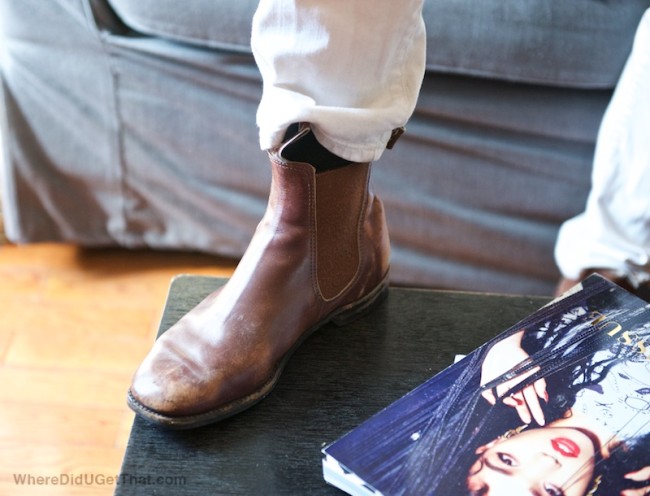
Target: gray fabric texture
116	135
577	43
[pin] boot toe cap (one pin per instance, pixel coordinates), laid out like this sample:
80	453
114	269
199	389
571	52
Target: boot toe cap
168	392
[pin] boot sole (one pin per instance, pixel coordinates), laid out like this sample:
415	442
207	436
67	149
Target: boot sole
340	317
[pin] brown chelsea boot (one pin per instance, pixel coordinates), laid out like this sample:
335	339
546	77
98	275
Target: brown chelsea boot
320	254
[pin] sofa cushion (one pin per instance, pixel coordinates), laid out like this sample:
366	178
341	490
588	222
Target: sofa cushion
215	23
570	43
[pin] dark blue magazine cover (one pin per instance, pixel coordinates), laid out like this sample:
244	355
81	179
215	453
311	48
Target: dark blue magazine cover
559	404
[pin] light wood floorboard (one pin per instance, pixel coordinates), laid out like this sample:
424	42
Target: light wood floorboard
74	324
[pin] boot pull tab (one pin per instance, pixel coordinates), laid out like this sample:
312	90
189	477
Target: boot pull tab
394	136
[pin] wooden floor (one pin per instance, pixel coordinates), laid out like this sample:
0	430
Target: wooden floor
74	325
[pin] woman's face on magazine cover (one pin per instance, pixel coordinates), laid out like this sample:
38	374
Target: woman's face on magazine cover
549	461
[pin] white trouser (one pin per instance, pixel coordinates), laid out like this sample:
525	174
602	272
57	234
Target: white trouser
614	230
351	68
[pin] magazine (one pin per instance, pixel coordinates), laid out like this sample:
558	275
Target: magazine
558	404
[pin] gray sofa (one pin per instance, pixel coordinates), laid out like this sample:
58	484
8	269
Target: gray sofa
132	123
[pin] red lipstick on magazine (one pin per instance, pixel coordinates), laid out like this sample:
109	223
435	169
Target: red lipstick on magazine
565	447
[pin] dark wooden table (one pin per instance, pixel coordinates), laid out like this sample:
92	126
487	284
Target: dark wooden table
337	379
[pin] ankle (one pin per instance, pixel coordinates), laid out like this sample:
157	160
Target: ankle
306	148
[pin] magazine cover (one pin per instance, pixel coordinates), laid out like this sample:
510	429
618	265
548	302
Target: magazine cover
559	404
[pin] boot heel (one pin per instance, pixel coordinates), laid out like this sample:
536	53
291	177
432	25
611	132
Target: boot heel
361	307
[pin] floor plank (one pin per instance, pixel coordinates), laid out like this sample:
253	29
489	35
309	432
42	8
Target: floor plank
74	324
60	387
95	464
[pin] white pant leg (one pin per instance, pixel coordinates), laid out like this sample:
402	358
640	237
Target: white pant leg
614	231
351	68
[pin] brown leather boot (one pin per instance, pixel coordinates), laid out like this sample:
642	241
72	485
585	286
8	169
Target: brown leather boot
319	255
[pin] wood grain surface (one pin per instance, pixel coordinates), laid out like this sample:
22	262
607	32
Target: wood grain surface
74	325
